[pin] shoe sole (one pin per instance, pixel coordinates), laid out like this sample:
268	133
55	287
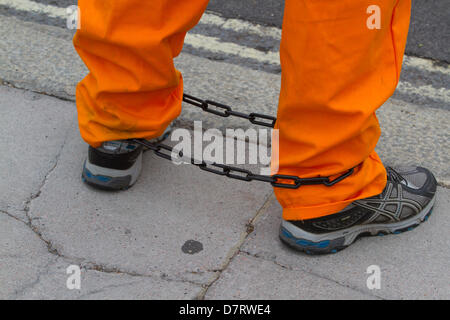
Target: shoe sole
333	242
111	179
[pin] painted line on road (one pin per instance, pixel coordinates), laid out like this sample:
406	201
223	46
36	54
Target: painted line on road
241	26
427	91
215	45
31	6
426	65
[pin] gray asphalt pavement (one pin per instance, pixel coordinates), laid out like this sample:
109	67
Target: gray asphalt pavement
429	35
430	25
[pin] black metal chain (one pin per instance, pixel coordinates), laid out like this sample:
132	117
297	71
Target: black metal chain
226	111
277	180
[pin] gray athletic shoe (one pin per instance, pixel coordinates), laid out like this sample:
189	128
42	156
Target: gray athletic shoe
115	165
406	201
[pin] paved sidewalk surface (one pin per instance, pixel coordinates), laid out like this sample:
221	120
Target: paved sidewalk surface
129	244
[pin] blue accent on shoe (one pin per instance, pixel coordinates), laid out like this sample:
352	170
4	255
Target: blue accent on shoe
102	178
87	173
306	243
91	176
286	233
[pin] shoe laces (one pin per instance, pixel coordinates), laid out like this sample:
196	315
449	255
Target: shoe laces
394	176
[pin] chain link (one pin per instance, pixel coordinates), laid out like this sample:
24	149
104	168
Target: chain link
277	180
225	111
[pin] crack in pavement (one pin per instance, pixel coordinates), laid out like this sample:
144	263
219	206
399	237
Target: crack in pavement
106	288
234	251
11	216
45	271
86	265
52	248
290	268
114	270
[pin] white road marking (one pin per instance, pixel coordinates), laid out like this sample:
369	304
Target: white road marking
424	64
428	91
241	26
213	44
31	6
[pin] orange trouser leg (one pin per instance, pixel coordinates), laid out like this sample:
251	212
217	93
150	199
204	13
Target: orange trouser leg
336	73
133	89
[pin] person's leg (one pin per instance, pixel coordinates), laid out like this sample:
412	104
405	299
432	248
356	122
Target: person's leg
133	89
336	72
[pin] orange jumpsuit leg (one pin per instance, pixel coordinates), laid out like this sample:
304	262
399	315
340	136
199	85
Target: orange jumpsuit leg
133	89
335	73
